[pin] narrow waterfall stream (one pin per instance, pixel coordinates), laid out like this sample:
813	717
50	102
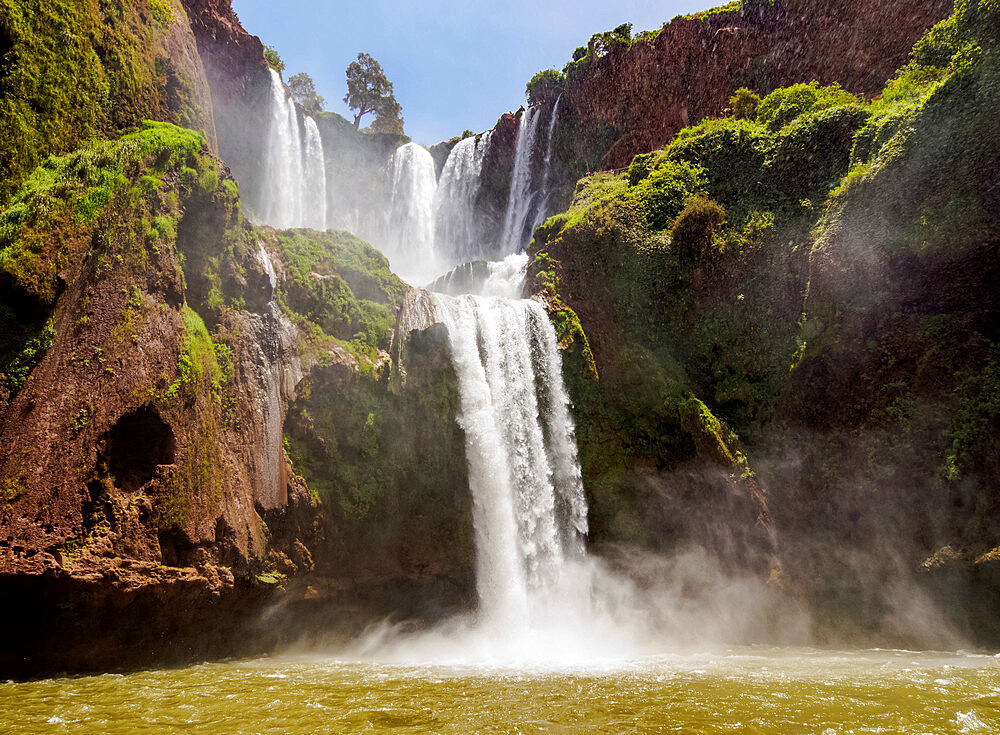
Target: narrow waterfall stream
519	202
314	179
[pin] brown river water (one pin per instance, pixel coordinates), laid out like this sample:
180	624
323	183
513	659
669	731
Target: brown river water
740	690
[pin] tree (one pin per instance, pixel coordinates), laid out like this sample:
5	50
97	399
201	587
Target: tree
273	60
388	119
304	91
744	104
545	86
368	91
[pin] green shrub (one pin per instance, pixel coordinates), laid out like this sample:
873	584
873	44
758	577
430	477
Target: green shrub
662	193
814	152
785	104
273	59
695	228
545	86
733	154
744	104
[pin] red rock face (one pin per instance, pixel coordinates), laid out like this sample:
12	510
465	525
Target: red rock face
691	68
238	77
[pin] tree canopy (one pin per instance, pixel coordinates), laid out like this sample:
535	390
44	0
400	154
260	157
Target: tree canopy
304	91
369	91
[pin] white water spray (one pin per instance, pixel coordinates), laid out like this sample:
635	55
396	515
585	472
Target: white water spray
314	180
519	202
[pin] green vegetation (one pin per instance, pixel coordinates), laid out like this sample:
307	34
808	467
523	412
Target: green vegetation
341	285
273	59
545	86
304	91
68	194
387	461
370	91
67	80
804	294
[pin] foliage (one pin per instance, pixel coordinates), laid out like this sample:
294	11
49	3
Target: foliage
273	60
342	285
73	71
744	104
304	91
665	189
388	120
734	155
696	227
22	348
369	91
545	86
783	105
812	153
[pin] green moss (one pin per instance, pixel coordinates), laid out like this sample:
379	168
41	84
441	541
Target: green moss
74	71
68	194
11	488
162	12
341	284
198	370
24	350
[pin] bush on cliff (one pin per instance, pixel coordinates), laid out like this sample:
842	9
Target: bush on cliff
545	86
696	227
785	104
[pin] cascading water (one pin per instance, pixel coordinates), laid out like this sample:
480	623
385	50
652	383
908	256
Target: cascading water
282	200
410	249
456	233
519	202
543	203
314	179
529	509
295	190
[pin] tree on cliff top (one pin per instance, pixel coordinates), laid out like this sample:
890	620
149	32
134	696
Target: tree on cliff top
304	91
368	91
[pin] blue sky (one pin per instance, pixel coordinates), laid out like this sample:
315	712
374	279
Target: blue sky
455	64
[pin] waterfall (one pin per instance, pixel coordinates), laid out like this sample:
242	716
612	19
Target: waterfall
519	202
410	246
314	179
543	204
529	510
295	188
282	203
456	233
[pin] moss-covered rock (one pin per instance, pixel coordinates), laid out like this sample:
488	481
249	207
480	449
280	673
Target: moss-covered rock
75	71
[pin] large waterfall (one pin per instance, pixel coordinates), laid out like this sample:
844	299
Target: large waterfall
520	199
529	510
410	248
295	187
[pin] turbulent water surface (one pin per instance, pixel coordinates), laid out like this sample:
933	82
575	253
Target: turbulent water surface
745	690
